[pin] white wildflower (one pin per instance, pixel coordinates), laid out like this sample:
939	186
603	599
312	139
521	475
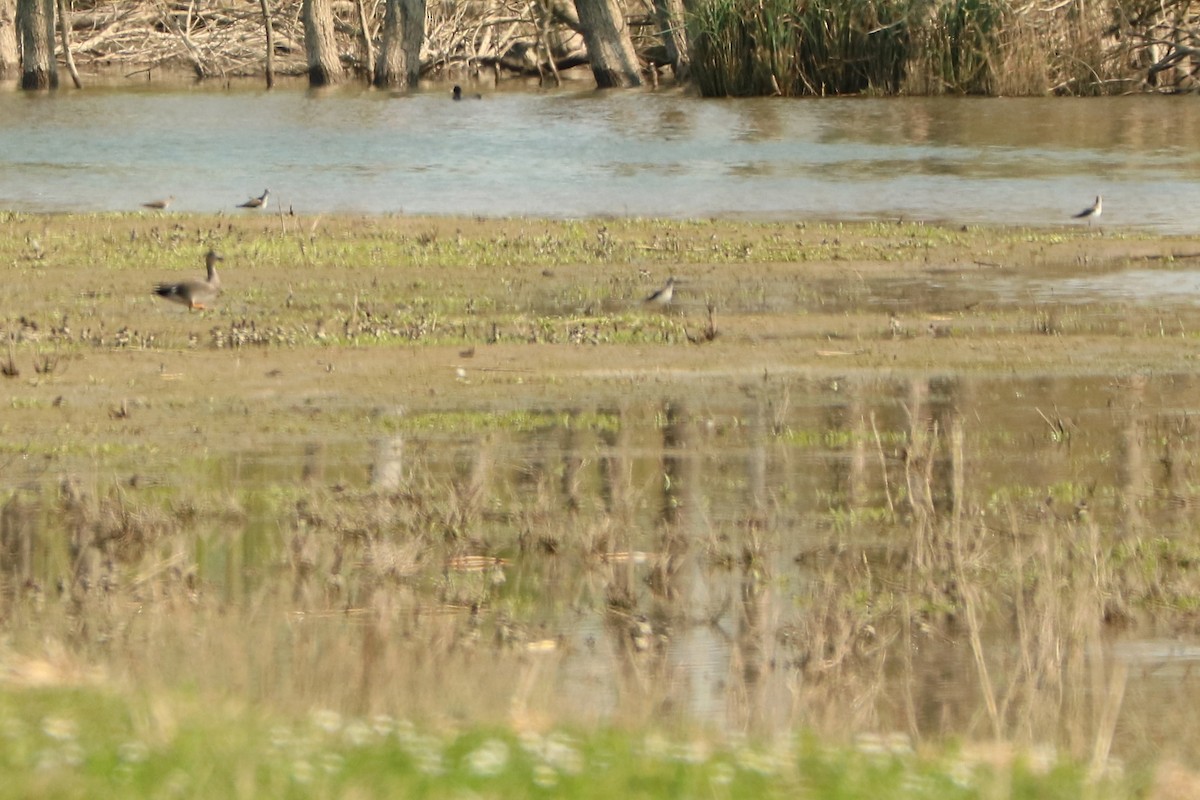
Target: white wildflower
382	724
60	729
489	759
722	774
332	763
357	733
133	752
545	776
328	721
560	752
302	771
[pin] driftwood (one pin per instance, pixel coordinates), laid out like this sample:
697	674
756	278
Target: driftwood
1173	56
1157	40
520	37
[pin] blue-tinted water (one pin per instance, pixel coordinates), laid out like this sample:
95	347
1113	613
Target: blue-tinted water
580	153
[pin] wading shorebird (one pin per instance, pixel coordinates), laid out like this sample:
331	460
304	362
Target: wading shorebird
663	296
160	205
257	202
1092	211
194	294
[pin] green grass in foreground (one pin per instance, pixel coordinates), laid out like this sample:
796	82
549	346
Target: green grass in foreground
87	743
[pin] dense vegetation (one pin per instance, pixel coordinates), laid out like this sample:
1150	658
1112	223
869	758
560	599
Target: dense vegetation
737	47
989	47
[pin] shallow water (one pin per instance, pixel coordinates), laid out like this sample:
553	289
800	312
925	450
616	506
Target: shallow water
1158	287
800	469
665	548
572	153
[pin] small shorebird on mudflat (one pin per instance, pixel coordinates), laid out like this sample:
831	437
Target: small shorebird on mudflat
194	293
663	296
257	202
1092	211
160	205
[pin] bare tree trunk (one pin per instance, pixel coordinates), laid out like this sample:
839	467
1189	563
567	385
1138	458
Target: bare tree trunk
400	45
543	17
270	67
606	34
364	26
8	37
64	28
324	67
673	30
183	32
35	22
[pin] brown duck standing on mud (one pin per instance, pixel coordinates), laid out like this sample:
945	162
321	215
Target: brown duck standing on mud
257	202
194	294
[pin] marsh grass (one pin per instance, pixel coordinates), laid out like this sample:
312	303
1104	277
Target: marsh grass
963	47
782	48
988	47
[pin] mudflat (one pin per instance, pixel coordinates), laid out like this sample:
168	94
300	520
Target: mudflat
813	419
368	306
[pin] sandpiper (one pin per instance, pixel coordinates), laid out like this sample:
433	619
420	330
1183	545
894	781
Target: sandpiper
257	202
1092	211
663	296
160	205
194	294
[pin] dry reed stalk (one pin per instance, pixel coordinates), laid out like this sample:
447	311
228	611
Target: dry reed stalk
1111	700
883	471
967	584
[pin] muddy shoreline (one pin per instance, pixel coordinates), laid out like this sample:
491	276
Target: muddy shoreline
358	315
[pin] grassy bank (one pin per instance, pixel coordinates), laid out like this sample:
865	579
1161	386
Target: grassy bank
83	742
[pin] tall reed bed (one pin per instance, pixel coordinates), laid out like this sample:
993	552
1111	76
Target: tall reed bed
982	47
